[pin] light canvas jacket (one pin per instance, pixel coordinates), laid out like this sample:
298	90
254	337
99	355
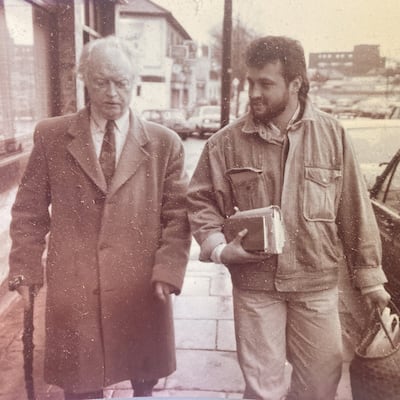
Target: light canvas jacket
326	209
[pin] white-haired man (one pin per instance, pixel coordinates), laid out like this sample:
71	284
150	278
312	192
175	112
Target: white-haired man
118	234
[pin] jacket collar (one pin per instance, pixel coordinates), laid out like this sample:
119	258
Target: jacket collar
82	149
309	114
133	154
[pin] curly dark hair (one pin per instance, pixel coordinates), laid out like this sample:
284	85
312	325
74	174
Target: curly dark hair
288	51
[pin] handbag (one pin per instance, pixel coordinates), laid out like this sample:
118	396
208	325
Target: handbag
375	367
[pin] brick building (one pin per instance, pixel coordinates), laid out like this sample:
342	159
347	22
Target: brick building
363	59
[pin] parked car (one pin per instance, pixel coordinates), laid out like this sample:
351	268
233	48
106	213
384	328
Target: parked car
372	107
385	198
171	118
323	104
205	119
374	141
344	108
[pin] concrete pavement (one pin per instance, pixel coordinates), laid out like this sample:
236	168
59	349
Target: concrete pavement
207	365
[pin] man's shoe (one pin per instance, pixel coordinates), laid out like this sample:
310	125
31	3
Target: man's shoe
143	392
143	389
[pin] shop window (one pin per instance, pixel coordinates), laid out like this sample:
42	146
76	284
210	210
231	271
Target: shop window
25	73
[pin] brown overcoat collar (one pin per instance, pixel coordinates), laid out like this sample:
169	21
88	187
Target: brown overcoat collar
82	149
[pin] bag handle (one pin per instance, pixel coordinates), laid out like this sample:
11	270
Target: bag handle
379	316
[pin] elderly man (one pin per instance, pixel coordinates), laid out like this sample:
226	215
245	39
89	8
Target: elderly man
118	236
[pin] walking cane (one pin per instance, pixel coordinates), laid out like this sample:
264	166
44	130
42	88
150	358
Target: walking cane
27	340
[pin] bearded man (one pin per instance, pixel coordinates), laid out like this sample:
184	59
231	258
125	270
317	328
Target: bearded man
287	153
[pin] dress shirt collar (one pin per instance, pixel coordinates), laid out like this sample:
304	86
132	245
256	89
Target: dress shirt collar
99	123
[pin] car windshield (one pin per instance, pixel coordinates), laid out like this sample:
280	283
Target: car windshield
375	144
153	115
374	147
173	114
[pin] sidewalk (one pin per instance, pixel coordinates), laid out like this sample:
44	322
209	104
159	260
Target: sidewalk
206	358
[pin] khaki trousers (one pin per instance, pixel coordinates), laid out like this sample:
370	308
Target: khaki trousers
303	328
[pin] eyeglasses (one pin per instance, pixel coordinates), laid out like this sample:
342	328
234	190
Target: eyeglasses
102	84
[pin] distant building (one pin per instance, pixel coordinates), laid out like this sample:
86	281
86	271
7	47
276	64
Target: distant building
367	58
166	54
363	59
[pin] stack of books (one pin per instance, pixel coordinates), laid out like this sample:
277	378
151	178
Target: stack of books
265	229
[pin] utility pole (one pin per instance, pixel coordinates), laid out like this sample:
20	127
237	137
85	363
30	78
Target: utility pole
226	63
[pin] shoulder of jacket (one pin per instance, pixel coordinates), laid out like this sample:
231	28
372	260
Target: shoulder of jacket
327	123
325	117
227	132
54	126
59	121
157	132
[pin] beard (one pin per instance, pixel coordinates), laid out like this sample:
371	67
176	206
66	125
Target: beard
264	111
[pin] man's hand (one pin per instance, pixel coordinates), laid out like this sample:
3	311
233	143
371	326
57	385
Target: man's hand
23	291
378	298
234	253
162	290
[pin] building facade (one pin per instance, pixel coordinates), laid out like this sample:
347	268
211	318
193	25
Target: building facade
40	46
363	59
41	41
166	52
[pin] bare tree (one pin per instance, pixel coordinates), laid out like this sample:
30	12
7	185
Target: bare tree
241	37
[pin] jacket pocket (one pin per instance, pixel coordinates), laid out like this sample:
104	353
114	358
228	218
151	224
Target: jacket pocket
320	193
248	187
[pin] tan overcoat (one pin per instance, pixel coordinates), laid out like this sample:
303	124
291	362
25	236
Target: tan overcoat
105	250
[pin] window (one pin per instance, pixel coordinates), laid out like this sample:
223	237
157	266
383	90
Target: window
25	75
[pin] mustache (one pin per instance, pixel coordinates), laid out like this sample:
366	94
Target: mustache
257	100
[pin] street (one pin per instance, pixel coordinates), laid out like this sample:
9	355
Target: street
193	148
204	334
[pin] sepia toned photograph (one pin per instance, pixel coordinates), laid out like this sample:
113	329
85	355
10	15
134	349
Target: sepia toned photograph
198	199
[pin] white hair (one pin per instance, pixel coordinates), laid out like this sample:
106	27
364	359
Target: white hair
107	42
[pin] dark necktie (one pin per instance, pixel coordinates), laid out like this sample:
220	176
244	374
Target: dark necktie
107	153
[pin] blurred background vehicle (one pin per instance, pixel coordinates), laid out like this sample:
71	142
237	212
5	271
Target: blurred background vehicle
206	120
323	104
174	119
344	108
372	107
374	142
385	198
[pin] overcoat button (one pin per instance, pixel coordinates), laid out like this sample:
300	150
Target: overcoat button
99	200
